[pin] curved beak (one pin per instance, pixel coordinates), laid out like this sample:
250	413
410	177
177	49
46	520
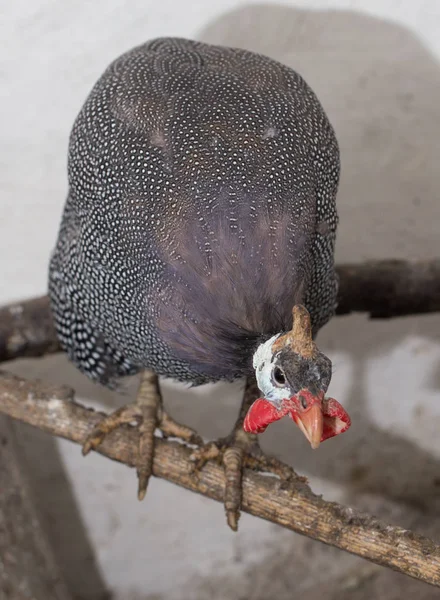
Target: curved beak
311	423
319	418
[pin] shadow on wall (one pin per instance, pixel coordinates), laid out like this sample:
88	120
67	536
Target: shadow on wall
381	90
58	510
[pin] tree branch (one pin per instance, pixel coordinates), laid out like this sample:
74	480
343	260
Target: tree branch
389	288
54	410
27	329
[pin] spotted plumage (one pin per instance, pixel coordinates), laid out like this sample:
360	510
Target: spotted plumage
201	208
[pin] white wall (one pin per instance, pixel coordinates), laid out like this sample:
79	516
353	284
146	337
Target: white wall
376	67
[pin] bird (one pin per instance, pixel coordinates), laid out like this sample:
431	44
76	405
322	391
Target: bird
197	243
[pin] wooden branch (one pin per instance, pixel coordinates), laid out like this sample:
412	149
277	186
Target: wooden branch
53	409
27	329
27	563
389	288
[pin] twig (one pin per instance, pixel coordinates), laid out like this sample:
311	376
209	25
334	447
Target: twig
383	289
53	409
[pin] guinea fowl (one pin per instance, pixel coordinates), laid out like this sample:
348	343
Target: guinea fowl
197	243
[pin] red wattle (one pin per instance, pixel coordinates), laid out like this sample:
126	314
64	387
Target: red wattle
336	418
261	414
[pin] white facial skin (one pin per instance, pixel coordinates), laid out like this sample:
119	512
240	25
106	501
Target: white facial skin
263	372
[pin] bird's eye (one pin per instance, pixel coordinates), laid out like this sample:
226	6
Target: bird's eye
278	377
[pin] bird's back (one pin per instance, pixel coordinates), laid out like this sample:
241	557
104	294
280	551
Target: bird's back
201	207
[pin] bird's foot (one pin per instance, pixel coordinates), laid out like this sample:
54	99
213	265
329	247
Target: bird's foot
148	413
238	451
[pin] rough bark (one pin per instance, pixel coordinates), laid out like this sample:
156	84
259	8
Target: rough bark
53	409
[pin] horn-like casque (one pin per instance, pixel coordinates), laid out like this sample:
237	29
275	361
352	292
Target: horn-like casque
300	337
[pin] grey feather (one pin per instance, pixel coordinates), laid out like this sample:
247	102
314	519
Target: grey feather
201	207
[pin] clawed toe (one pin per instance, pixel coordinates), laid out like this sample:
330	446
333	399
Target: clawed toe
237	452
122	416
203	454
231	456
149	415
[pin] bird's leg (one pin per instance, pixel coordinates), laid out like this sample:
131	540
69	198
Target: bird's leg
149	413
237	451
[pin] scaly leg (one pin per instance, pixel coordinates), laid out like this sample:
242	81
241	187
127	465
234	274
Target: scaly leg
149	413
237	451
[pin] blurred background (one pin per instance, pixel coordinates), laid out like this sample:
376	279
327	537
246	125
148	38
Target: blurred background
375	66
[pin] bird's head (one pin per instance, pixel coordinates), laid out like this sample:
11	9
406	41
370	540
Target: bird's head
293	376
